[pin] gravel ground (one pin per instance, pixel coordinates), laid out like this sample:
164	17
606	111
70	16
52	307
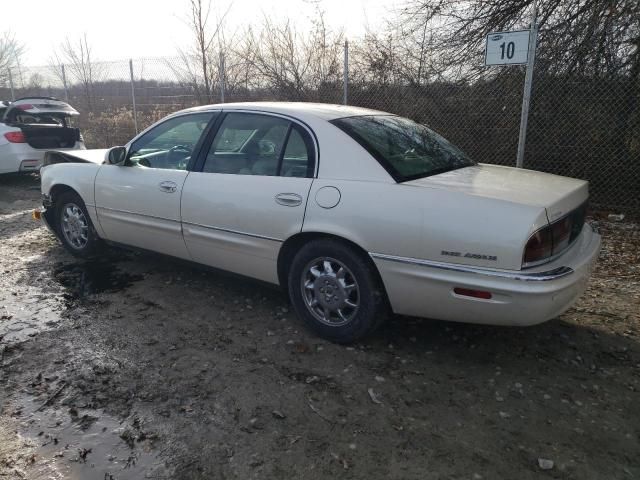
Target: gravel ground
141	366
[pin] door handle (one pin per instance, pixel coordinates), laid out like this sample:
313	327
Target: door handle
168	187
289	199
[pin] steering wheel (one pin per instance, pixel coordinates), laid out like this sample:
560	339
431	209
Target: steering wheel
177	156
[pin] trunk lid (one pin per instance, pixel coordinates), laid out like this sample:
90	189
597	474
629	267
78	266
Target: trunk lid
45	122
558	195
39	106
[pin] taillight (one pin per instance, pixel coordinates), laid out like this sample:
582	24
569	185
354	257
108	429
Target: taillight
25	106
539	247
552	240
15	137
561	234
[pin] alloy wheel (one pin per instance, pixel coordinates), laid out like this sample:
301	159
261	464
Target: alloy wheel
74	226
330	291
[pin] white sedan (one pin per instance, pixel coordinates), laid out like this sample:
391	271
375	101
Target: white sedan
352	211
32	125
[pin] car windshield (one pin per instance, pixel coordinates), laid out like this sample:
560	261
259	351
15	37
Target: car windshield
406	149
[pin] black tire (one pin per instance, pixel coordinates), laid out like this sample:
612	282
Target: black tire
314	295
71	201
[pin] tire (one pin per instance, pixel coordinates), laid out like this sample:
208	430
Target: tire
336	291
74	227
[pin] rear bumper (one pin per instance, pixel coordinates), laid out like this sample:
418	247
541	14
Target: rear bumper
21	157
426	289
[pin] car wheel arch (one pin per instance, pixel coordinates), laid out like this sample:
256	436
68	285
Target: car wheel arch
294	243
55	192
59	189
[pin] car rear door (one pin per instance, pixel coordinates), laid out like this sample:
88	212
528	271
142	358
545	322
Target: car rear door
138	203
248	193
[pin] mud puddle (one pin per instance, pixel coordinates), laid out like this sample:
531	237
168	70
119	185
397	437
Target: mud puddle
85	444
37	307
92	277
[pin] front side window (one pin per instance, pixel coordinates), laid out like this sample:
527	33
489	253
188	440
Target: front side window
406	149
255	144
170	144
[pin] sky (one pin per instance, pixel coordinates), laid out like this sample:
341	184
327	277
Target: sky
121	29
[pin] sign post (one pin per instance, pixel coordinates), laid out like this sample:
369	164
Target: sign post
516	48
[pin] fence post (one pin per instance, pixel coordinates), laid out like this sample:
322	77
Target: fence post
133	96
222	72
345	72
528	81
64	82
13	95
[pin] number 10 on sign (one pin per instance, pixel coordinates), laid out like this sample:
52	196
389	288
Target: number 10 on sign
507	48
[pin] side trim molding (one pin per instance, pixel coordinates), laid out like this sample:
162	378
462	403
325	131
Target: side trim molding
218	229
546	276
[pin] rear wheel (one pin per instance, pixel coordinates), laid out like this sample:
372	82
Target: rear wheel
335	290
74	226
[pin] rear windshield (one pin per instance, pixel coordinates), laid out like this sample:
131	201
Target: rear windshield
406	149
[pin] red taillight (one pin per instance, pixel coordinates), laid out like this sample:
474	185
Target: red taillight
467	292
15	137
539	247
25	106
561	234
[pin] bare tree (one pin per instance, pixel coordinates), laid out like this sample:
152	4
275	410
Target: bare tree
11	52
376	59
291	62
200	62
588	37
80	66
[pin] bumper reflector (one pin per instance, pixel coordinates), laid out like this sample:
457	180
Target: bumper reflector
467	292
36	215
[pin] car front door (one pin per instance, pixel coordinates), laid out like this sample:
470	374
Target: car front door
248	193
138	203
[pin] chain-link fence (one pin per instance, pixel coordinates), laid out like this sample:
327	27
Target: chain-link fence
580	127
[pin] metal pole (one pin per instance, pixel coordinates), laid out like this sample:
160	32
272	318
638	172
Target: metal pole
221	77
528	81
64	82
345	71
133	96
13	95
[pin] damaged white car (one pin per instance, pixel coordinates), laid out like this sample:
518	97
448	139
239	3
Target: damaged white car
31	126
353	212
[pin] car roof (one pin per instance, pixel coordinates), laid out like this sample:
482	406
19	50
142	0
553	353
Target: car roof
325	111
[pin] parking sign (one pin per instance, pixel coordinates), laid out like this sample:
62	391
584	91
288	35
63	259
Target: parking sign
507	48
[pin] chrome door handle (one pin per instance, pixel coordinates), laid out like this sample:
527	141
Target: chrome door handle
168	187
289	199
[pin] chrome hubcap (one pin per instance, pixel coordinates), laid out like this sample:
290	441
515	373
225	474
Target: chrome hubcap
75	226
330	291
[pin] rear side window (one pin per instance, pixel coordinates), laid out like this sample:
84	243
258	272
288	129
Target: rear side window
296	161
256	144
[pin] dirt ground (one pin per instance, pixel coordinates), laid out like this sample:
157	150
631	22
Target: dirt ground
141	366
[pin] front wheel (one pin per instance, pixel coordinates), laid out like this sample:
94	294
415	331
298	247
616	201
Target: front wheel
336	291
74	226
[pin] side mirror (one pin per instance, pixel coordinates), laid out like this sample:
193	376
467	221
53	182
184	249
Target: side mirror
115	156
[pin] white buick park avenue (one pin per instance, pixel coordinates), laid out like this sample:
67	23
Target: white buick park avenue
354	212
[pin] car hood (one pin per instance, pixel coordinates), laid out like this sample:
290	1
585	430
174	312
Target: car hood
75	156
558	195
